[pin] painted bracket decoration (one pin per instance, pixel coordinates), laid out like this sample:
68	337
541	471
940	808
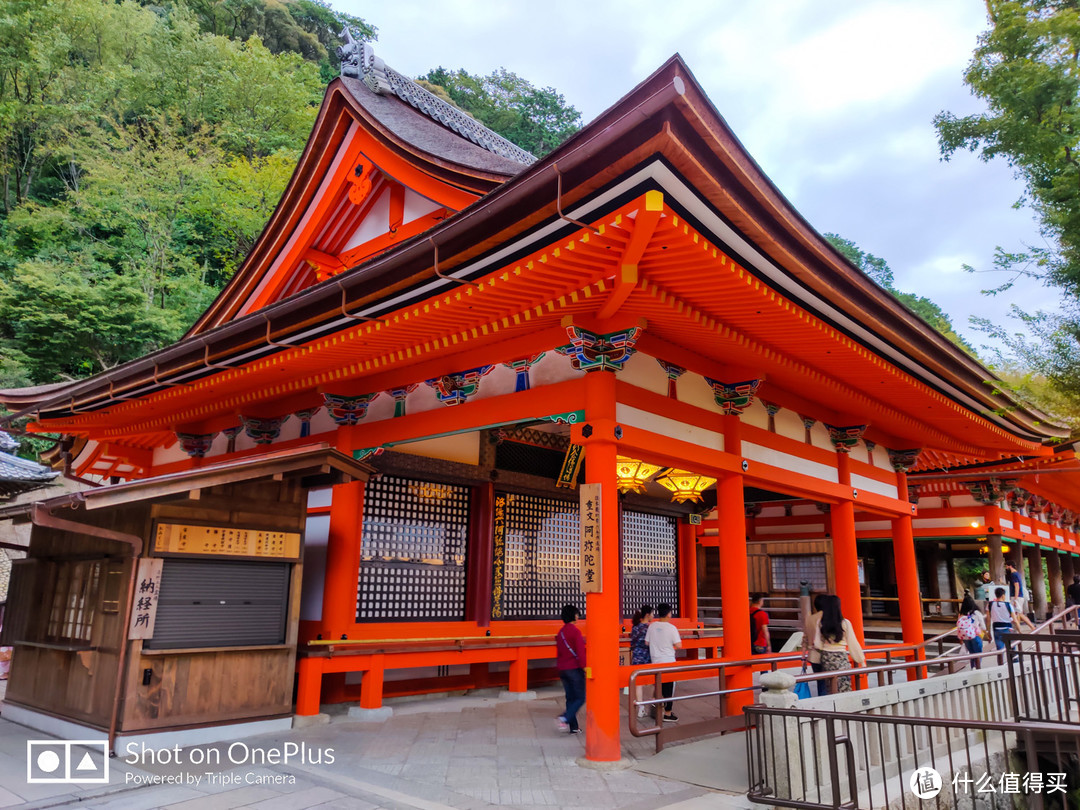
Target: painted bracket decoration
846	437
521	368
808	425
367	452
673	373
305	417
400	395
904	460
772	409
989	492
733	398
589	351
348	410
195	445
454	389
568	418
231	434
263	431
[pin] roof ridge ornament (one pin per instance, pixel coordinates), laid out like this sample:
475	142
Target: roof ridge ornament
358	61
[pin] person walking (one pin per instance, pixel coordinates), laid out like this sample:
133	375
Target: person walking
570	661
838	643
663	639
639	648
811	652
1003	618
1072	595
1017	593
760	642
970	628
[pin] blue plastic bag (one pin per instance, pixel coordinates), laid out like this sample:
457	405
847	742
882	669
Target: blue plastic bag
802	688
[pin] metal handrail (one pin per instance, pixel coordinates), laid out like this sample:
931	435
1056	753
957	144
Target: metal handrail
884	672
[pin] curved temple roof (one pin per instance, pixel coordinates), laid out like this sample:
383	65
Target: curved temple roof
772	293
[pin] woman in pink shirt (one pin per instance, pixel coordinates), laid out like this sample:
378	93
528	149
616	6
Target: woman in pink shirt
570	660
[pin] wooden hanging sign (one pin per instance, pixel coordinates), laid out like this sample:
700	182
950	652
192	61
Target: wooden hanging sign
591	538
147	589
225	540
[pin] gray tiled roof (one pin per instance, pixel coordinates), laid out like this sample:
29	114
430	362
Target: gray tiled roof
19	474
359	61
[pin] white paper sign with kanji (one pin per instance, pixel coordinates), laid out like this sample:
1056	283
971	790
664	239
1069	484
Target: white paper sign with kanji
144	607
591	541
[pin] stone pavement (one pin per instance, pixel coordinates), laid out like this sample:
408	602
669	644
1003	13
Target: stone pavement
467	752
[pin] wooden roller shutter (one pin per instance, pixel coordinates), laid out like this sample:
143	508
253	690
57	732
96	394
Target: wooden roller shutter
212	603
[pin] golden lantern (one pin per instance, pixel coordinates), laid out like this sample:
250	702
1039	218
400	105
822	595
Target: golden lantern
632	474
685	486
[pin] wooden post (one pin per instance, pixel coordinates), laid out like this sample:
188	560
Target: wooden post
308	686
1068	568
734	586
342	559
997	559
478	595
371	684
602	615
688	573
846	552
1057	589
1037	601
907	581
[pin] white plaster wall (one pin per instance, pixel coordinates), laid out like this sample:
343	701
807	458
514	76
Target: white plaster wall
417	205
167	455
553	368
881	458
776	458
316	537
635	417
819	437
462	447
756	415
789	424
376	222
695	391
643	371
873	485
496	383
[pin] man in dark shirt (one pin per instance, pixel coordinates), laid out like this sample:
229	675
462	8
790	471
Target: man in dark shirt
1072	593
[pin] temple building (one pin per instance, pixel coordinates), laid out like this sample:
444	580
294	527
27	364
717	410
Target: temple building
368	469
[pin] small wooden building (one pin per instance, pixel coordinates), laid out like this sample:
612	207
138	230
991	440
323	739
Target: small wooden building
639	316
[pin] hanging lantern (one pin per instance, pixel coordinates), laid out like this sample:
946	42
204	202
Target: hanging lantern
631	474
685	486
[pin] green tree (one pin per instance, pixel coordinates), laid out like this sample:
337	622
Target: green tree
536	119
878	270
1025	69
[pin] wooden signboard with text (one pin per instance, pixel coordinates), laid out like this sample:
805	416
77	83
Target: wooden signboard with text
225	540
147	588
591	539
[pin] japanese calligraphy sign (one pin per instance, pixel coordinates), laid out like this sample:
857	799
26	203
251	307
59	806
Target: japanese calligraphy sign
568	475
591	540
145	598
229	540
498	557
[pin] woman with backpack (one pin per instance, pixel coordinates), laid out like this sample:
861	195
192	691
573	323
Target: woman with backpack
837	642
970	628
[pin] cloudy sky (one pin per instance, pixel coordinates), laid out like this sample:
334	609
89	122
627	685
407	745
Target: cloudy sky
833	99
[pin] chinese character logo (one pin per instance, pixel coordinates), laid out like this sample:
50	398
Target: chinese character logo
925	783
67	762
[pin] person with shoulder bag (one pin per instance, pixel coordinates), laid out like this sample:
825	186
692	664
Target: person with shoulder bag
838	644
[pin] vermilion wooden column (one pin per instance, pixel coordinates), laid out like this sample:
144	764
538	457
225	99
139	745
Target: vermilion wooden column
846	554
342	559
734	586
688	574
602	609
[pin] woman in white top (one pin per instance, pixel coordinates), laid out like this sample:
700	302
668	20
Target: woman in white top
837	642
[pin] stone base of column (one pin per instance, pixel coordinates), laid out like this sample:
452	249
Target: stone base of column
308	720
370	715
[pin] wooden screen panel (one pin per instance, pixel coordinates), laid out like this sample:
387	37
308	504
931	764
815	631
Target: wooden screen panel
21	604
412	550
542	557
650	568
